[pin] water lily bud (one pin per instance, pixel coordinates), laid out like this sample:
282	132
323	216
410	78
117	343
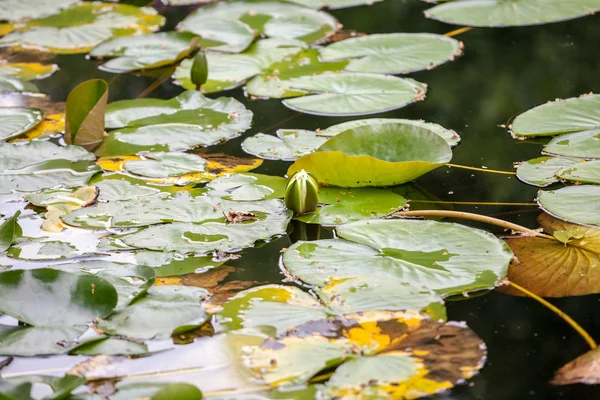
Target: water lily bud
199	72
302	193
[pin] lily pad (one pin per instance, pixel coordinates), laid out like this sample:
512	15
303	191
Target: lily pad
388	354
272	219
82	26
583	369
27	341
578	204
163	311
27	387
353	94
236	24
52	126
423	253
561	116
584	144
288	145
588	172
17	120
379	155
15	77
49	297
450	136
17	10
161	165
229	71
542	171
556	268
133	53
169	264
40	165
502	13
112	347
340	206
393	53
332	4
247	187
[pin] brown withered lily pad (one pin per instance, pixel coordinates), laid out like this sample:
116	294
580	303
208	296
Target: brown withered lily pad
378	354
583	369
567	266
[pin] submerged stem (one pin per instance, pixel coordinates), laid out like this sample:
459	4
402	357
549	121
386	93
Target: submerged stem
493	171
458	31
473	217
586	336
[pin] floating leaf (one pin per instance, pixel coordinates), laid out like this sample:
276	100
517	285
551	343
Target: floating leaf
556	268
247	187
561	116
40	165
502	13
288	145
353	94
340	206
17	10
181	391
86	105
228	71
235	24
423	253
133	53
583	369
9	231
588	172
14	77
11	85
168	264
82	26
542	171
393	53
332	4
378	155
162	165
164	310
27	341
388	354
52	125
112	347
22	387
584	144
578	204
209	236
17	120
450	136
49	297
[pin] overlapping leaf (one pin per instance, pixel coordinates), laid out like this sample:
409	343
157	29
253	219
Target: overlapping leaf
17	120
578	204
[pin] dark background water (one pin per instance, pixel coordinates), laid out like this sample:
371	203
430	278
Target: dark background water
502	73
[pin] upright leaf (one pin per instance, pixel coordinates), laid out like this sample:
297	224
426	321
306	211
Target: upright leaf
86	105
9	230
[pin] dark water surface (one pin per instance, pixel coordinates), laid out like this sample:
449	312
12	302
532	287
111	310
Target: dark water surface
503	72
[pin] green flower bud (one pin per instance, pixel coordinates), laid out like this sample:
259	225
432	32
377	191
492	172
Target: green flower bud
302	193
199	72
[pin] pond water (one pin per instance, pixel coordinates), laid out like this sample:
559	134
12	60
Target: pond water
502	73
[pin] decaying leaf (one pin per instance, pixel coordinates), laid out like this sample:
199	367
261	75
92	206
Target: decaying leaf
583	369
568	266
236	217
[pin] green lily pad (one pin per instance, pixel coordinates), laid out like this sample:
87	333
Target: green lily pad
163	311
423	253
15	77
17	10
542	171
168	264
27	341
115	190
332	4
17	120
82	26
189	107
41	165
111	347
133	53
162	165
378	155
152	390
130	281
22	387
237	23
588	172
501	13
584	144
353	94
577	204
10	84
275	81
450	136
288	145
561	116
393	53
229	71
247	187
48	297
340	206
272	220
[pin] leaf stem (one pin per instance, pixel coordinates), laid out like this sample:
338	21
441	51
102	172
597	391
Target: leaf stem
458	31
474	203
473	217
493	171
586	336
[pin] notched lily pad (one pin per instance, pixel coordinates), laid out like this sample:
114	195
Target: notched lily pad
247	187
17	120
585	144
163	165
288	145
577	204
543	171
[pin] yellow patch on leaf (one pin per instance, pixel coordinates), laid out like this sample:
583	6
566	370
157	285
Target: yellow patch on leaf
51	125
